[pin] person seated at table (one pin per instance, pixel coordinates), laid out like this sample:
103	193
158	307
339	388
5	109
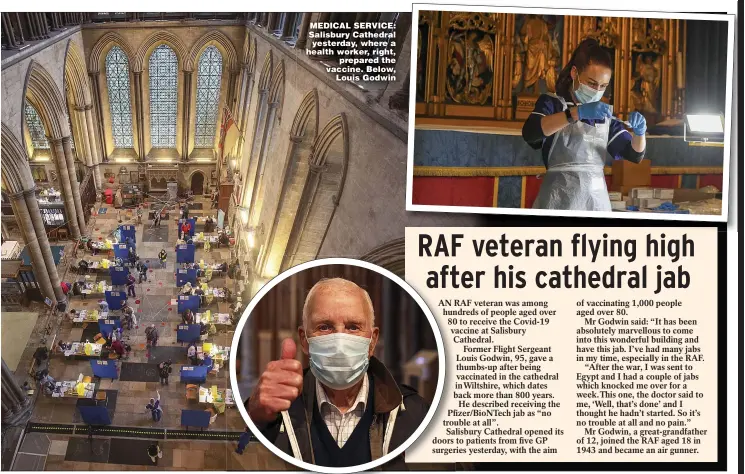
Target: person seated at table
77	289
103	306
200	292
191	354
223	240
203	331
187	317
118	347
209	225
185	229
83	266
72	314
89	245
186	289
46	382
61	347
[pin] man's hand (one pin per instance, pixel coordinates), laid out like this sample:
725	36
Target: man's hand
279	385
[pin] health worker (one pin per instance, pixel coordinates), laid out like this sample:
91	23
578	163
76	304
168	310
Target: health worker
575	131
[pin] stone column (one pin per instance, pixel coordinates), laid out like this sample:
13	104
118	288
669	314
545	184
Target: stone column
14	400
99	114
96	158
187	116
140	115
84	145
59	156
33	243
41	237
70	159
309	192
295	140
245	106
261	165
302	37
255	145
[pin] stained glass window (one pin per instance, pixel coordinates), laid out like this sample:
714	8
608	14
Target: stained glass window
117	81
209	78
35	128
163	97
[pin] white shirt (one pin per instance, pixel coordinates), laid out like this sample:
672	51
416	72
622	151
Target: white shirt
339	424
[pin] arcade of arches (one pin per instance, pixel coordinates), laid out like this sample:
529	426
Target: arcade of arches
118	106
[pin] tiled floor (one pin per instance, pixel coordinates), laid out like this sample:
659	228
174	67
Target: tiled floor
152	306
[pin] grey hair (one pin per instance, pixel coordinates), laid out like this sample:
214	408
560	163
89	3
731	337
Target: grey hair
342	283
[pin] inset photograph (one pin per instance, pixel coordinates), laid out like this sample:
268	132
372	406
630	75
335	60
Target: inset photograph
546	112
339	365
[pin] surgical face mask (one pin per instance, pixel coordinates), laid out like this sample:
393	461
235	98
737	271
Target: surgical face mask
339	360
586	94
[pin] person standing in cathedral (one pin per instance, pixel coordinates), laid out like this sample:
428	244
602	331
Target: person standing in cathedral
346	409
575	131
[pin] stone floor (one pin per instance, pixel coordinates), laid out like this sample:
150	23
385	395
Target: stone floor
152	306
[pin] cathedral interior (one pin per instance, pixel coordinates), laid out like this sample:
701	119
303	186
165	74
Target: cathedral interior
118	129
479	75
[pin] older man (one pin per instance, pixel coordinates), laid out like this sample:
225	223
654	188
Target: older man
346	409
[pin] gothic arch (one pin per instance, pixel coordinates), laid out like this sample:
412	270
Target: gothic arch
303	134
223	44
155	40
266	72
48	101
252	57
308	110
75	78
277	87
246	49
390	255
102	47
16	173
321	193
334	129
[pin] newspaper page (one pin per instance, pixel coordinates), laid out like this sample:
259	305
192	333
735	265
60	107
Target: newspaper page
580	344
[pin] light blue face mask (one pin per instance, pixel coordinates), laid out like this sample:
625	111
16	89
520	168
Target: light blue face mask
339	360
586	94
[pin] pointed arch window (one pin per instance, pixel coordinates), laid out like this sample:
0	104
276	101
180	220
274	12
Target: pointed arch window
120	109
209	80
35	128
163	72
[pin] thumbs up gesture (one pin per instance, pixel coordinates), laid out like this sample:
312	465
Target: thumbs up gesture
279	385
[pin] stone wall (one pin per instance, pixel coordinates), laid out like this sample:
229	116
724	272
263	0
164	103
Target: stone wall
371	210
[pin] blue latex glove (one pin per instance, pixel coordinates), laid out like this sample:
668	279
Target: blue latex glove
593	111
638	123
